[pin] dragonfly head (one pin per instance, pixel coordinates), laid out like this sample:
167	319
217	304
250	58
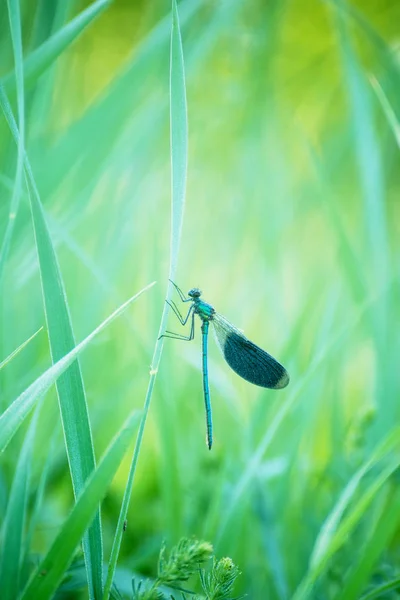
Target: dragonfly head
194	293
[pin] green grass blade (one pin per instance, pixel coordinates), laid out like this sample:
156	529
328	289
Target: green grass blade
39	492
125	91
15	27
50	571
41	58
179	137
18	350
70	387
361	569
382	590
14	522
331	524
369	161
179	134
335	530
387	109
13	417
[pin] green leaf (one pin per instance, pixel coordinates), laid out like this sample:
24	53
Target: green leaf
337	529
179	136
179	133
14	522
15	27
41	58
18	350
364	564
50	571
70	388
14	416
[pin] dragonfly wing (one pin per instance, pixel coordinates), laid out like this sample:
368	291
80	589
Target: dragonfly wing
246	359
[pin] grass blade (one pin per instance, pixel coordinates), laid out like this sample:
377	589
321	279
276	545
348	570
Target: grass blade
14	521
335	530
70	388
18	350
361	569
41	58
387	109
15	27
14	416
330	526
50	571
179	136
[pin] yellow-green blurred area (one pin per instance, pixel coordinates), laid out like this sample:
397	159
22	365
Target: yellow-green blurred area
291	229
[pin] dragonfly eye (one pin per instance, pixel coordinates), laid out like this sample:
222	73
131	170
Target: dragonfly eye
194	293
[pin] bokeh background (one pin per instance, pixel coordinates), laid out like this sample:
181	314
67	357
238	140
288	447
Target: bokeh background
291	230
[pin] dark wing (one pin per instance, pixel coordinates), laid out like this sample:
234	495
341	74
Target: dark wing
246	359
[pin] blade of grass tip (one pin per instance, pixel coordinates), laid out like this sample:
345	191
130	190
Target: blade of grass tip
15	28
15	414
41	58
387	109
70	387
49	573
179	149
18	350
14	522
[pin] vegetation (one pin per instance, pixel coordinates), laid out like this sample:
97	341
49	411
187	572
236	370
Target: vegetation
281	122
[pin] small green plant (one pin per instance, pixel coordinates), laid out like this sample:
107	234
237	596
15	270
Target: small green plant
218	583
185	559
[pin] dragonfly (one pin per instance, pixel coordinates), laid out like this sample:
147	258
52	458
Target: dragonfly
243	356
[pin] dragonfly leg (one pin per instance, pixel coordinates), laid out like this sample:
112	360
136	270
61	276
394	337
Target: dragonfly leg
181	294
179	336
182	320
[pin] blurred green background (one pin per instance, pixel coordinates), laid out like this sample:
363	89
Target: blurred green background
291	230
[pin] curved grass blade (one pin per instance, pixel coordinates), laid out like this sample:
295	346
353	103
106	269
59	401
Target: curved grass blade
18	350
50	571
14	522
14	416
370	168
41	58
335	531
382	590
70	387
363	566
125	91
387	109
246	359
15	28
330	526
179	136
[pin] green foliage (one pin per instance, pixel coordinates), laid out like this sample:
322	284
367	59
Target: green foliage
185	559
218	583
281	121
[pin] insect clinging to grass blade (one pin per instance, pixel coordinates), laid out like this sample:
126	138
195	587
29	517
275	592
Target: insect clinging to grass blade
245	358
